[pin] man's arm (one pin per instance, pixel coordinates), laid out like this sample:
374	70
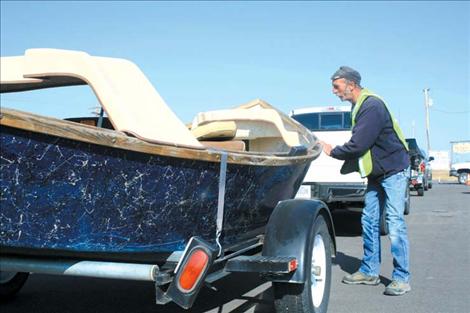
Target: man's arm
369	123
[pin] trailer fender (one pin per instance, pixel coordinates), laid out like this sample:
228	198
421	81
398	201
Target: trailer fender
288	234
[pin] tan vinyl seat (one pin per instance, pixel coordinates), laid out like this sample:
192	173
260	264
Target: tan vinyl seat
266	129
215	131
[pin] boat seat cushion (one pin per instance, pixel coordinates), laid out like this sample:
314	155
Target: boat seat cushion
252	123
215	131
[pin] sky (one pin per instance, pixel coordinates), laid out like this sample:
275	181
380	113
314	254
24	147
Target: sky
203	56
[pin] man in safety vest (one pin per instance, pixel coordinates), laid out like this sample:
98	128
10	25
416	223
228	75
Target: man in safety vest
378	151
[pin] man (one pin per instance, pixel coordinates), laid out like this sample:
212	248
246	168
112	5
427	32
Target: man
378	150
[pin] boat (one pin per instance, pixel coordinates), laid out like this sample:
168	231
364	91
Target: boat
136	184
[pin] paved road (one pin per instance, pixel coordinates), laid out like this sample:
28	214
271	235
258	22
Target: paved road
440	264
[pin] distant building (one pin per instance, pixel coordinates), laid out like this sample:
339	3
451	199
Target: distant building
441	159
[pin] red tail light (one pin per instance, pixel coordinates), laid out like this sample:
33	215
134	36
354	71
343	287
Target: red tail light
293	265
422	167
192	270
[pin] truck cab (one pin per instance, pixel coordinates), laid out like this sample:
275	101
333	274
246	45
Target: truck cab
324	181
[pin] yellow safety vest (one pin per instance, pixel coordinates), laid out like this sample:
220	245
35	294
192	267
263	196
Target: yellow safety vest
365	161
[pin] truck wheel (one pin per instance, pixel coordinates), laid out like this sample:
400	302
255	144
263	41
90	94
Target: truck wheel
420	191
407	201
463	178
314	294
11	283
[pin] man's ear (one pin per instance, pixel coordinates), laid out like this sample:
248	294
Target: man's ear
353	86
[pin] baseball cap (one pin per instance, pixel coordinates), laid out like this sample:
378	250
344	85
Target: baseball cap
347	73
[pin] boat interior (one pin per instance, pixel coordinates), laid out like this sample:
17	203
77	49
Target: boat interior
131	105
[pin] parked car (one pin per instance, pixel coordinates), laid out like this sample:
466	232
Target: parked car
428	171
420	168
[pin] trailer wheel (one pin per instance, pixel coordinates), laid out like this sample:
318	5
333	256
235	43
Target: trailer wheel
11	283
314	294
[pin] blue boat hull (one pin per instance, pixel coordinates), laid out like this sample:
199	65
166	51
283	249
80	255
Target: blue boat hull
69	196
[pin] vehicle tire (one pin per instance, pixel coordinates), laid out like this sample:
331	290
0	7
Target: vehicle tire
407	201
430	185
313	295
11	283
420	191
463	178
383	224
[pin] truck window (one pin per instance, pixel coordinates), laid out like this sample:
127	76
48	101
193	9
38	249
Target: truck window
412	144
347	120
324	121
309	120
331	120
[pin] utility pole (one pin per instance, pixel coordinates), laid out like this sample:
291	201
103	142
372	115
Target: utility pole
426	109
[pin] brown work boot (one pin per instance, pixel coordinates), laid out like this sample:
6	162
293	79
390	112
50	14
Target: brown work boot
361	278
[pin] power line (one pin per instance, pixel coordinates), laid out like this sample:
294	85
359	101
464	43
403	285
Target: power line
450	112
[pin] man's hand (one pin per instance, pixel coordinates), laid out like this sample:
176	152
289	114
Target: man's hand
326	148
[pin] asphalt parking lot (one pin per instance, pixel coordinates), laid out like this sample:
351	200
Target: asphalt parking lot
440	266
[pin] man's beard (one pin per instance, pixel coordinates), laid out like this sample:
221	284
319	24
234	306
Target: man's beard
347	93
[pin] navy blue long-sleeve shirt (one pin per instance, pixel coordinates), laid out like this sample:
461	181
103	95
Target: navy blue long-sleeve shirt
374	130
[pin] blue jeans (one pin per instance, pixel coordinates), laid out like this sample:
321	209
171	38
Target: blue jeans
389	194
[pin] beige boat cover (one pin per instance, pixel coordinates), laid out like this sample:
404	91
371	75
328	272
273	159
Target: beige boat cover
135	107
128	98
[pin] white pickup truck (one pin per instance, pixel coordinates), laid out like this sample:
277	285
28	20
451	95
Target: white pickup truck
324	181
460	160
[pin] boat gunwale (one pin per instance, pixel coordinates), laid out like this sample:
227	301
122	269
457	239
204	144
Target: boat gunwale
116	139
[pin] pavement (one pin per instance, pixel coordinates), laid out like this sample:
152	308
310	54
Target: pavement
439	236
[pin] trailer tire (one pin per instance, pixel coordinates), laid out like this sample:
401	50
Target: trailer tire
11	283
313	295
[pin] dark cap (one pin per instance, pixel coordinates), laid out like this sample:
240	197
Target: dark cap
347	73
